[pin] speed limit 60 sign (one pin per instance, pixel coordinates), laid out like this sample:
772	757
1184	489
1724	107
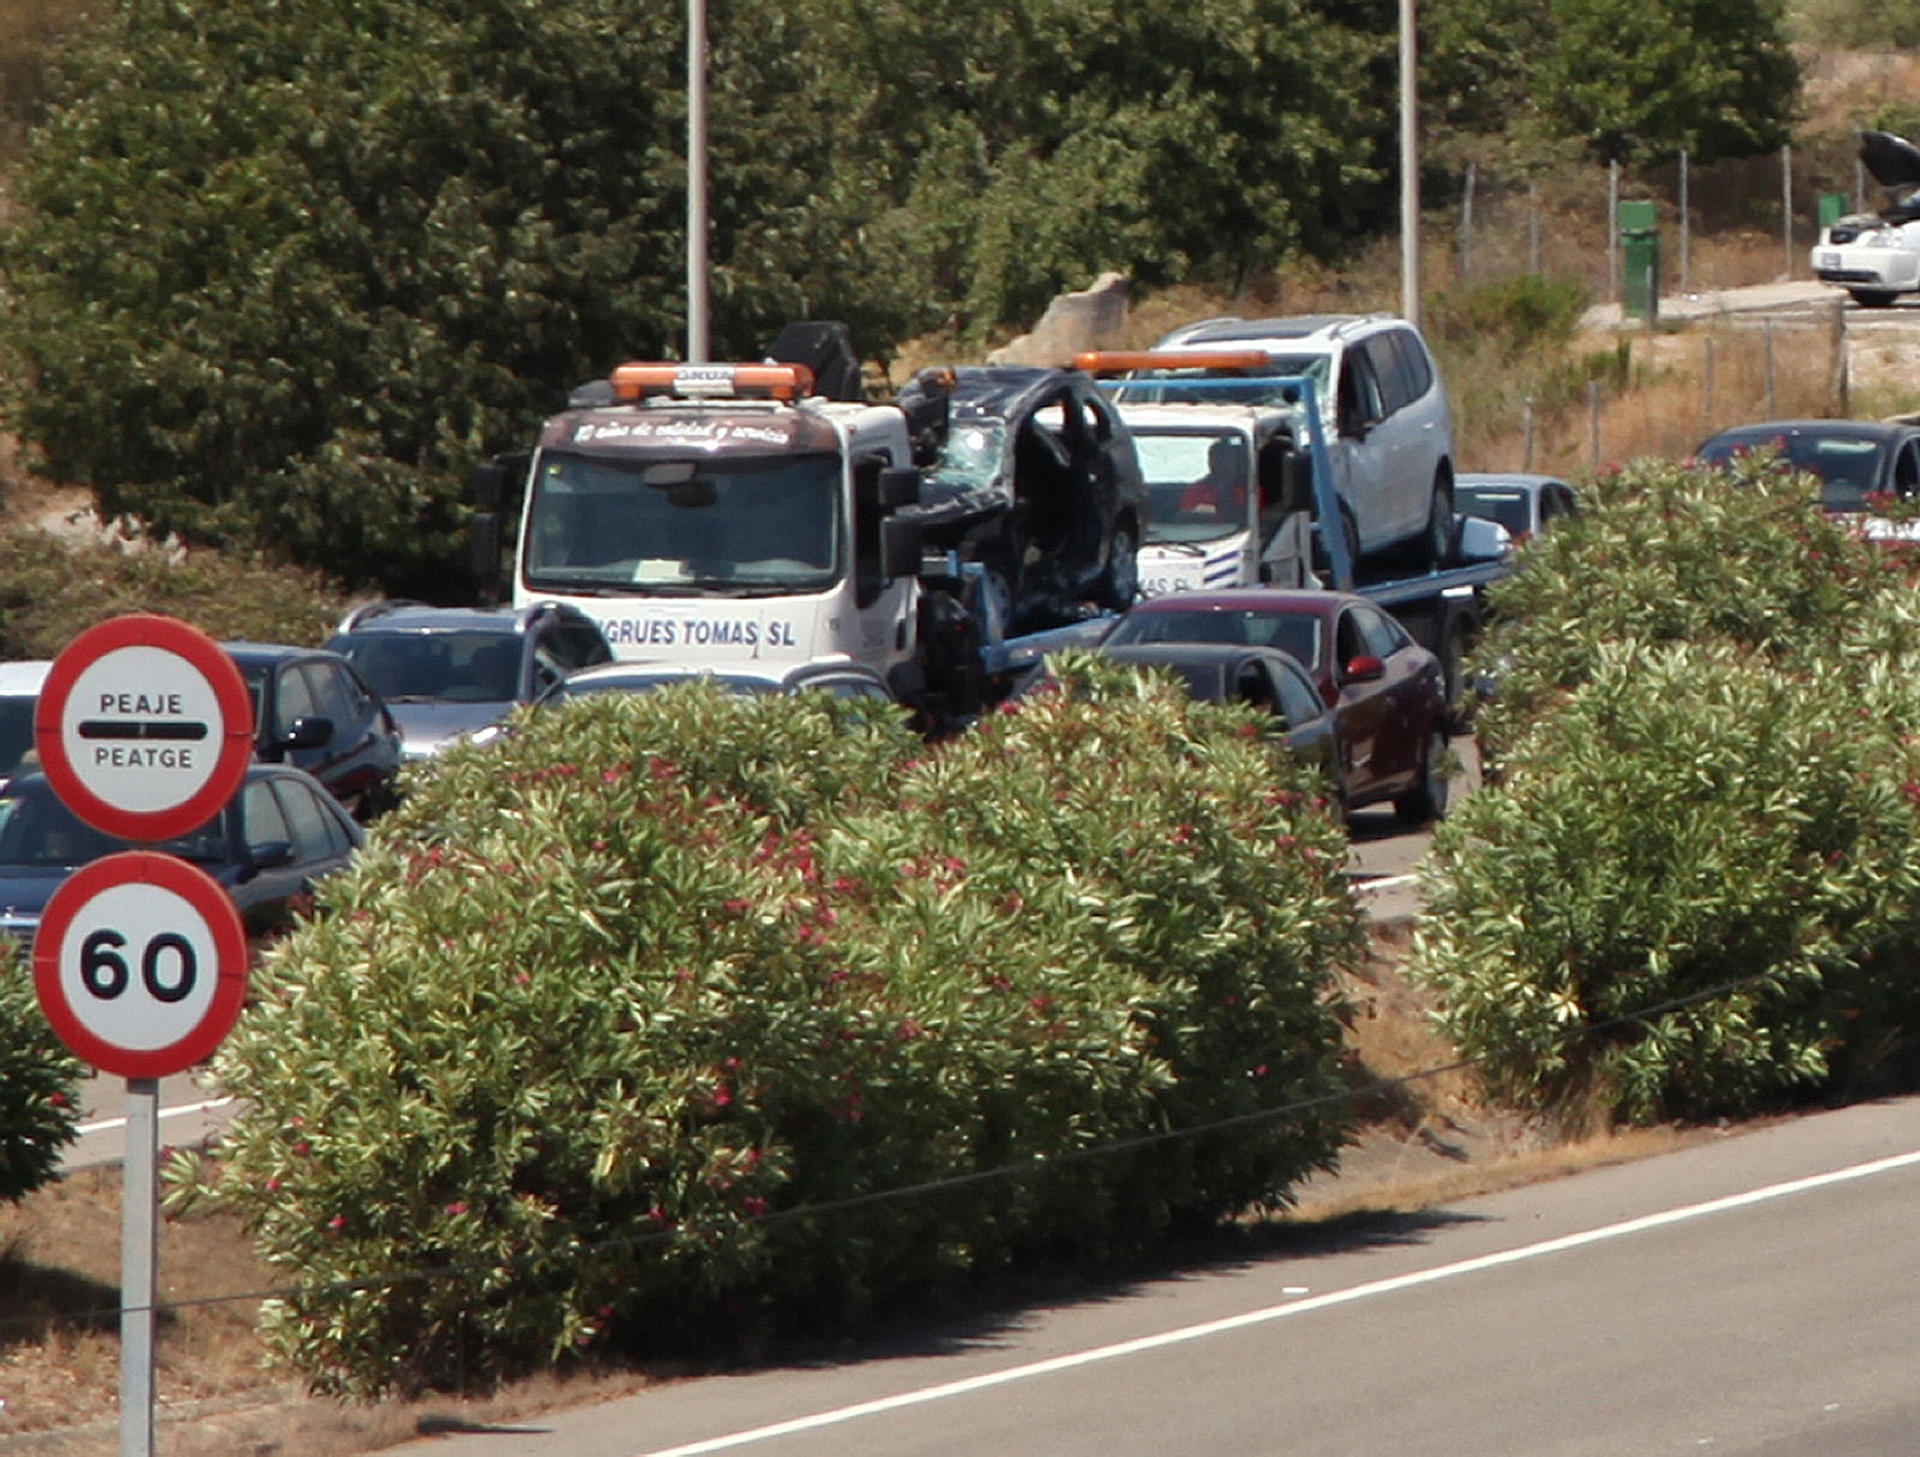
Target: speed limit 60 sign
140	964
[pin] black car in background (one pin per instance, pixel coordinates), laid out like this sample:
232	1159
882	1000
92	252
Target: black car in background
1853	459
446	673
278	835
313	710
1034	477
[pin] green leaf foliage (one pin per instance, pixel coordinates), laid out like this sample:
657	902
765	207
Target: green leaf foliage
282	272
1707	809
605	1010
52	590
39	1086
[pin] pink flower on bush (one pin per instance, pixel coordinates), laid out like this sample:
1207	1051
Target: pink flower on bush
755	1206
272	1185
57	1100
456	1209
658	1216
337	1223
909	1030
303	1148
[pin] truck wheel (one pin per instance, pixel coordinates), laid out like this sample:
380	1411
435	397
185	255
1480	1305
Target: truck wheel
1427	800
1873	298
1119	582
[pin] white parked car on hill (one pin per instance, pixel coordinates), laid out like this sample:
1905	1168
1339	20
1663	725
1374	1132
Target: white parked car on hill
1876	256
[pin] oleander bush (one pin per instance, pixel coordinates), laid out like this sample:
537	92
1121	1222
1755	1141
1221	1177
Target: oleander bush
676	1019
1708	802
39	1086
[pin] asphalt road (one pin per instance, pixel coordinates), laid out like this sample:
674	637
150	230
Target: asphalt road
1753	1295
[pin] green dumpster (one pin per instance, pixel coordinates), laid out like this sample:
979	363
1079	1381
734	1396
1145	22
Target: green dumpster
1833	206
1640	260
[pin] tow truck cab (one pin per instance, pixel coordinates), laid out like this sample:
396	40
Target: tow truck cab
716	514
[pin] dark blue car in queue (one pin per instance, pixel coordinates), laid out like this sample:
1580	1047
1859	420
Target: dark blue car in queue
274	840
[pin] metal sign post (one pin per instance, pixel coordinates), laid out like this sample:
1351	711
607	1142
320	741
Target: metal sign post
140	961
139	1265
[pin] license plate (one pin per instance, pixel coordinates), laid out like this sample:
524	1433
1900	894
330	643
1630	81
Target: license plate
1827	260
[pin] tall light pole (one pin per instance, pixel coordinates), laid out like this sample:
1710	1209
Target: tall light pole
697	347
1409	169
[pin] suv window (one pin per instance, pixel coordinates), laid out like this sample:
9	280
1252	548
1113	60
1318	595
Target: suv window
292	700
316	834
1388	366
262	821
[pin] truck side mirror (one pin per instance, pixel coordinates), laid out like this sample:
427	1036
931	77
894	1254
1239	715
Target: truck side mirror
494	480
900	547
898	486
483	551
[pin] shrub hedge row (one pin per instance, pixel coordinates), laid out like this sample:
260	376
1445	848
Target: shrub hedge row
606	1008
1708	738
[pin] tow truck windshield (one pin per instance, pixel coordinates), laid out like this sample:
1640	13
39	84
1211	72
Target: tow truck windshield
1196	482
735	525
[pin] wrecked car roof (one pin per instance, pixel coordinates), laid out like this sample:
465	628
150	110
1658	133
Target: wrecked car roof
1893	161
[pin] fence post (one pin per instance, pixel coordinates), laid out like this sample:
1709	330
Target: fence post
1842	381
1786	203
1533	228
1613	232
1686	232
1526	433
1706	384
1466	226
1768	337
1593	425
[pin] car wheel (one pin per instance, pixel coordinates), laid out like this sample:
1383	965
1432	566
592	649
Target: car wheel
1873	298
1119	582
1427	800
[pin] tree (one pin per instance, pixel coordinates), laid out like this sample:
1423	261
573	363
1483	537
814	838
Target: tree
283	272
1644	79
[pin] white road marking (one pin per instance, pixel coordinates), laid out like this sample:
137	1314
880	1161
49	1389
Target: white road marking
179	1112
1281	1312
1385	882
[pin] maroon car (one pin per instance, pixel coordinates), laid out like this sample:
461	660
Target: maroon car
1387	692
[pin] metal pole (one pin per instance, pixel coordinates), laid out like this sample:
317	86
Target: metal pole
1842	376
1409	169
139	1255
1686	232
1613	232
1526	433
697	347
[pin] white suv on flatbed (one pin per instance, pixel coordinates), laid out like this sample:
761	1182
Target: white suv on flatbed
1384	412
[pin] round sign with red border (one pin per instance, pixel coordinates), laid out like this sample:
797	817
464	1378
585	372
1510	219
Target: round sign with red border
140	964
144	727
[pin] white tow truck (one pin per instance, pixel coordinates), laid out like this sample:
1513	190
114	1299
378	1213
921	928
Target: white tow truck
1238	474
728	516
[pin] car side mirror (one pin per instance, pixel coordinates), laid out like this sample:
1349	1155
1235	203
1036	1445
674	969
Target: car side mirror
900	548
268	855
313	732
1483	541
1364	669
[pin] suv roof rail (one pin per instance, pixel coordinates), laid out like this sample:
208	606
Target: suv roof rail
367	611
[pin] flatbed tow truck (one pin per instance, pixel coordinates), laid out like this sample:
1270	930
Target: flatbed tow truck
1238	479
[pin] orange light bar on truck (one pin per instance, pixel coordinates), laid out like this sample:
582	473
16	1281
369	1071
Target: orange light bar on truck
713	381
1124	361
